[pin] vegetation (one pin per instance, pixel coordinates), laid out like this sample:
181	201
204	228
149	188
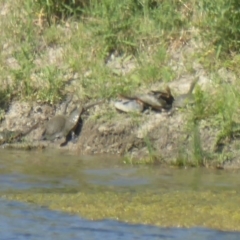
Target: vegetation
52	47
140	206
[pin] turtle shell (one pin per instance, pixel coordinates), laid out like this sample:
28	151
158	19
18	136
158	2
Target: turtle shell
54	127
129	105
166	96
72	121
152	101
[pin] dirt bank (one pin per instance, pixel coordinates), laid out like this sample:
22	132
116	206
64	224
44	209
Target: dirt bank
147	137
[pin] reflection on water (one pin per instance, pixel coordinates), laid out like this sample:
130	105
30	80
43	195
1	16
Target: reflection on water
20	221
173	194
23	182
54	170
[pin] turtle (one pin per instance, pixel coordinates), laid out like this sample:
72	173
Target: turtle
128	105
152	101
54	128
166	96
63	126
74	121
183	100
148	100
8	136
55	125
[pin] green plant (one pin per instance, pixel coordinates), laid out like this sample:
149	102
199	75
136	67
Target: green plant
221	24
156	68
182	158
117	27
56	10
228	125
153	157
204	105
198	153
52	85
22	75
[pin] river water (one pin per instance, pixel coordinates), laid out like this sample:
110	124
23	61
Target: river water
38	173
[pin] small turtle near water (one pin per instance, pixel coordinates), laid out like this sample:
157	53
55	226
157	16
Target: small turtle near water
64	126
55	125
8	136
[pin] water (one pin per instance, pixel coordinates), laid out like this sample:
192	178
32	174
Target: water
48	172
21	221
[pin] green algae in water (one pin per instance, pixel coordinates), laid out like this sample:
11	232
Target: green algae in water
178	208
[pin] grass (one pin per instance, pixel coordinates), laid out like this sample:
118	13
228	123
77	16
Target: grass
53	47
88	33
153	157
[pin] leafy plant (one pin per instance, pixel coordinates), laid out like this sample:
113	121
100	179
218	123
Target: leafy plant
198	153
221	24
56	10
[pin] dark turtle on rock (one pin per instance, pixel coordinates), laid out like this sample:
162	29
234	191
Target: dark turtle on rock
73	121
166	96
64	126
55	126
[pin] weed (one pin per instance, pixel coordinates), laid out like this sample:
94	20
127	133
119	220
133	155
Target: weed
153	157
53	85
227	123
221	23
56	10
198	154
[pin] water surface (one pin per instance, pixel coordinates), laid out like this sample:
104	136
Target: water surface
106	190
